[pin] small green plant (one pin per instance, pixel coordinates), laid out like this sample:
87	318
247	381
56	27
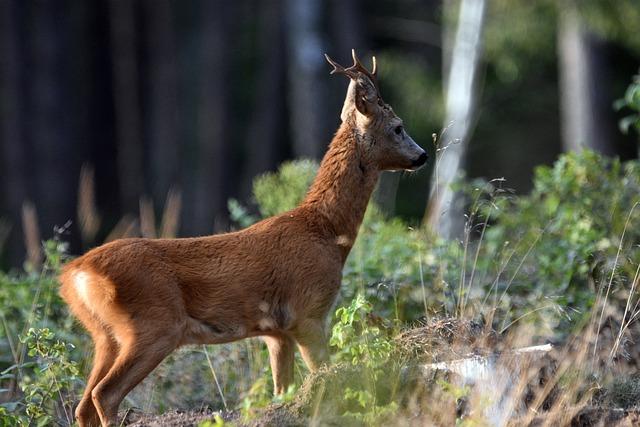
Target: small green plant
261	395
240	214
631	101
359	342
356	340
49	381
217	421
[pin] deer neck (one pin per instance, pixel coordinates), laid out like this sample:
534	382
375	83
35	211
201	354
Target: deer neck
344	183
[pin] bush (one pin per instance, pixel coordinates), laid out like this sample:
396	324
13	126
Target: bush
282	191
572	235
38	376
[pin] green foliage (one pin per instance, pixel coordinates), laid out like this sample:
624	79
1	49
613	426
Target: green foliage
32	356
362	343
357	341
49	383
260	395
217	421
631	101
618	20
239	214
518	33
282	191
564	239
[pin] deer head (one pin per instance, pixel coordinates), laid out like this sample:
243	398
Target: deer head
381	131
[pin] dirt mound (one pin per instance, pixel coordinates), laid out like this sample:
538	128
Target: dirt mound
444	339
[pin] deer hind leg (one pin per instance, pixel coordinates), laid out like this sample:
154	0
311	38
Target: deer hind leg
312	342
136	359
105	353
281	357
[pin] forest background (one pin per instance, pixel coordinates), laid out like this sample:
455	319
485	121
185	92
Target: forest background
114	111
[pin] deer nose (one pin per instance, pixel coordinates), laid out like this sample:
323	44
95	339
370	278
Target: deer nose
420	160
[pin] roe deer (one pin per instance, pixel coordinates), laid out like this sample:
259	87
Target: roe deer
142	298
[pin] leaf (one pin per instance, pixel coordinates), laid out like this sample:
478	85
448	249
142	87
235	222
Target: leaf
626	122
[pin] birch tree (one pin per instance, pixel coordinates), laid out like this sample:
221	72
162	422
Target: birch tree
443	216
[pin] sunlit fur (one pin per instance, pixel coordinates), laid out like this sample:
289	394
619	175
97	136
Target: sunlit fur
142	298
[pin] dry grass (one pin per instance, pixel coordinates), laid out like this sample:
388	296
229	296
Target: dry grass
32	239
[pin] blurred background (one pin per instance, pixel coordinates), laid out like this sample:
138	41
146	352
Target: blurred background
145	117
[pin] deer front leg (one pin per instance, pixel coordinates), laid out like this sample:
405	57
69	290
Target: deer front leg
312	342
281	356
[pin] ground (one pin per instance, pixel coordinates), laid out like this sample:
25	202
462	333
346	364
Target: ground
443	342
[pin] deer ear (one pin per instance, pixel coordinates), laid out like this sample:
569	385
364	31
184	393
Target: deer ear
366	96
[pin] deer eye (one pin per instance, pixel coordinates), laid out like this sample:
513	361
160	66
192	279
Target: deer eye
398	130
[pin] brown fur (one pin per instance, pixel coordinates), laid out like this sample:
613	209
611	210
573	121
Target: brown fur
142	298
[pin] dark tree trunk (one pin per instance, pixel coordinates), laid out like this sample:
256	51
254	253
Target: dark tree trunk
55	159
126	103
162	100
267	126
348	27
14	174
212	180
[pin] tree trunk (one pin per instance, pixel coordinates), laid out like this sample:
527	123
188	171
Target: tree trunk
162	126
443	214
15	174
55	161
347	27
586	112
127	104
307	77
265	135
212	183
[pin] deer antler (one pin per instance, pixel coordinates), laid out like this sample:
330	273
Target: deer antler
357	67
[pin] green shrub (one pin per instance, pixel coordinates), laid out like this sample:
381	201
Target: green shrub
39	378
49	383
282	191
566	236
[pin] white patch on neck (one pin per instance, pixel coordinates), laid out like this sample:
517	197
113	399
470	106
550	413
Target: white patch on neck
266	324
344	240
263	306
